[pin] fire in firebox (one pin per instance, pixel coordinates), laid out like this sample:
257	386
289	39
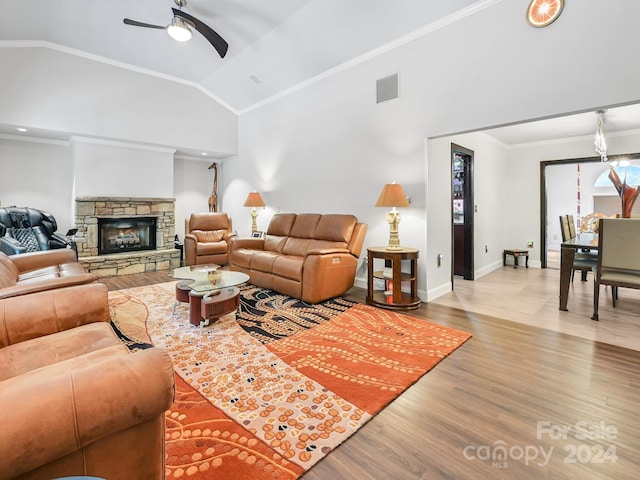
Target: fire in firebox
126	234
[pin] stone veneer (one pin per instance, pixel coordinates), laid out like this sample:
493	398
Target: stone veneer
89	209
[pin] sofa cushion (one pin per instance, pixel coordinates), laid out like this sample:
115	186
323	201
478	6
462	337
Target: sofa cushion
55	271
209	236
289	266
278	231
211	248
263	261
209	221
305	225
296	246
301	234
280	224
335	228
274	243
21	357
242	257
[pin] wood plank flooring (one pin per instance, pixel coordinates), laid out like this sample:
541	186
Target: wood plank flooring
522	380
530	296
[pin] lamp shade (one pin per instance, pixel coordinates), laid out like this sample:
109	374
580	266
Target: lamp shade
392	195
254	199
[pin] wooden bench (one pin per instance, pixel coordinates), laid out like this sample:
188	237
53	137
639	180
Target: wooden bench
515	253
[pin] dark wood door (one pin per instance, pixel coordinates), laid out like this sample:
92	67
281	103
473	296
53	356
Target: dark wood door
458	249
463	209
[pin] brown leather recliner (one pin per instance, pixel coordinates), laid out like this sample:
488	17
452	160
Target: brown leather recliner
27	273
308	256
75	401
207	237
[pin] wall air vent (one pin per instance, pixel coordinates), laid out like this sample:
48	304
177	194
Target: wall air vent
387	88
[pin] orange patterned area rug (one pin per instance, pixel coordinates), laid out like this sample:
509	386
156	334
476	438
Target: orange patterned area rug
267	393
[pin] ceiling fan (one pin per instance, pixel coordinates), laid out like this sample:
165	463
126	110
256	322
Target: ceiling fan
179	29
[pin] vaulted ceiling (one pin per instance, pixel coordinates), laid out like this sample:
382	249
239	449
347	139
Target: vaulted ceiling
274	45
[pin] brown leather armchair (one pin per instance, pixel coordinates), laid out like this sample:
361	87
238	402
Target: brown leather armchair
75	400
207	237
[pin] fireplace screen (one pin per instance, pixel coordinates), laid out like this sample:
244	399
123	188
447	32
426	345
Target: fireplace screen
126	234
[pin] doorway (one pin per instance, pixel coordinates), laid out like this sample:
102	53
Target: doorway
462	207
586	199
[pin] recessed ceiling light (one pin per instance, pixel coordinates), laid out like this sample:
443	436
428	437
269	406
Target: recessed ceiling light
204	154
20	129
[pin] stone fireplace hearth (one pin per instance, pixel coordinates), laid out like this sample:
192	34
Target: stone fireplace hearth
88	211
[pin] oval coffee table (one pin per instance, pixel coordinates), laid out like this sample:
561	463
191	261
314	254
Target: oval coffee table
212	291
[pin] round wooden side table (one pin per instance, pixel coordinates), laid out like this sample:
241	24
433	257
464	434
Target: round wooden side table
400	286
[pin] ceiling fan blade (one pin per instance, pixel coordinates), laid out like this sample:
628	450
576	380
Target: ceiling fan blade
207	32
140	24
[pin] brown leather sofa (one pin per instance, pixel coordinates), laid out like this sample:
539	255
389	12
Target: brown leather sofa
206	239
74	400
308	256
31	272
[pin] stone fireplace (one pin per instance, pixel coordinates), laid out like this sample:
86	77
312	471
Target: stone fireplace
122	235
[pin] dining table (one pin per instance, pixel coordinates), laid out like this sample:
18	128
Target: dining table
581	242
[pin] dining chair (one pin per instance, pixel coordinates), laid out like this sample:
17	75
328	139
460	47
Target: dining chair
584	261
564	228
572	226
618	259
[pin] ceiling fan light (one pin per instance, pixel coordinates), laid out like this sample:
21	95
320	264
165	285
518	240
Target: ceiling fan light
179	30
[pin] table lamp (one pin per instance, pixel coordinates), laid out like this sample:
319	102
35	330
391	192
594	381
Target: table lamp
393	196
254	200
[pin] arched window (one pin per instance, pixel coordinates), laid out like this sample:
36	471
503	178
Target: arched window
632	173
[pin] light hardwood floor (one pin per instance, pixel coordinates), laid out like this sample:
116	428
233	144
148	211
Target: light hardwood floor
530	380
530	296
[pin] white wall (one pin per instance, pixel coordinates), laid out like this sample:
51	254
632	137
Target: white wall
56	91
192	185
38	174
121	170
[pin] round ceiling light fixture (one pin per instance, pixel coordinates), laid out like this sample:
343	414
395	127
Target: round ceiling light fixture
179	29
541	13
